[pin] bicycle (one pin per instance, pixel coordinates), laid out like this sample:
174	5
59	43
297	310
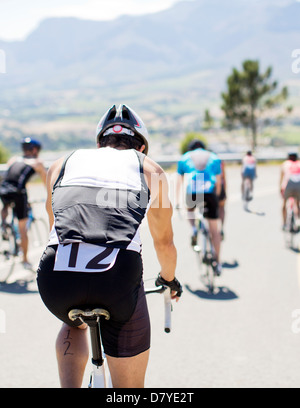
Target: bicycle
37	227
9	247
100	376
291	229
37	230
247	193
206	252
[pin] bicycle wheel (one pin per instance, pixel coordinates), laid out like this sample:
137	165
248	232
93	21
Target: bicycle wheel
9	250
247	194
38	233
210	275
291	229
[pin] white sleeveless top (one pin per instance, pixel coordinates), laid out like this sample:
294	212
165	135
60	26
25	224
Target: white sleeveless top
103	184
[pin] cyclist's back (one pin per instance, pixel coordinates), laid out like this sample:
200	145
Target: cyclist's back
17	176
107	196
201	167
249	166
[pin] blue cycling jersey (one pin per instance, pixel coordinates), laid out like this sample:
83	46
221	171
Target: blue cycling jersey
201	168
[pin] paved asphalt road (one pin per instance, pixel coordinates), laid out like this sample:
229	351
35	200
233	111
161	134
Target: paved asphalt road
247	334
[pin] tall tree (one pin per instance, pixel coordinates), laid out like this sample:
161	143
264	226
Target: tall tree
250	93
208	120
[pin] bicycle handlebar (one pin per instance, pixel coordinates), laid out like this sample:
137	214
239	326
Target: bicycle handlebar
167	302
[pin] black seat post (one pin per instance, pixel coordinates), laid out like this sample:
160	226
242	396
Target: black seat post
94	326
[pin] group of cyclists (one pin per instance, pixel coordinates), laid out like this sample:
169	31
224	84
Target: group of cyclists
96	201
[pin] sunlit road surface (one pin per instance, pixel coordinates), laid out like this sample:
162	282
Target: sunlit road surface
246	334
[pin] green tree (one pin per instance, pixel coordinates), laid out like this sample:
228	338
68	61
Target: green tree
208	120
4	154
188	138
250	93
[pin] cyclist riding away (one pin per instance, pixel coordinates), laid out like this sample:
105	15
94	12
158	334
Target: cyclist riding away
248	171
13	188
222	198
97	199
203	187
290	183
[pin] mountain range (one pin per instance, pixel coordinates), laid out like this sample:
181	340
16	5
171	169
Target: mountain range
169	66
192	36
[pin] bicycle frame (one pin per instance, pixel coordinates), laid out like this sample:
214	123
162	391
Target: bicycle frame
247	193
12	235
207	251
291	226
100	376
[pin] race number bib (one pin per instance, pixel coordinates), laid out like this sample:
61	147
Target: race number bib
82	257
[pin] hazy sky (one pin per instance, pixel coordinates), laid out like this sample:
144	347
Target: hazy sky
19	17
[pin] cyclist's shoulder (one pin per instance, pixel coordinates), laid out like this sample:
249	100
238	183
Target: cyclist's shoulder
13	160
56	165
186	156
37	164
151	166
154	175
214	156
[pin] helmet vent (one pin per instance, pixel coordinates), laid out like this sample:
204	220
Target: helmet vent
112	113
125	114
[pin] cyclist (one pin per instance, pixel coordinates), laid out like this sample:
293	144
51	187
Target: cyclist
222	198
203	186
248	171
99	199
13	188
290	183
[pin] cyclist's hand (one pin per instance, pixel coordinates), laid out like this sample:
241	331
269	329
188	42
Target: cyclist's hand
174	285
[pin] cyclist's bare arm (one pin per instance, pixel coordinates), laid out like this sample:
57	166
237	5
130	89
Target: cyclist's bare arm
282	179
52	176
218	184
11	161
41	170
160	219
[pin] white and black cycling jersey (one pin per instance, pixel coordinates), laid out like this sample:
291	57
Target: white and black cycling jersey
17	176
100	198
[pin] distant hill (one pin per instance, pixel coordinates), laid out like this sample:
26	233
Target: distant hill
169	66
191	36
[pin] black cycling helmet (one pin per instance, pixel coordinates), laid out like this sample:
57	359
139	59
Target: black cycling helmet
293	156
122	121
196	144
27	143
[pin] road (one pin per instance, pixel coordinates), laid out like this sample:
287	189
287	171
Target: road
244	335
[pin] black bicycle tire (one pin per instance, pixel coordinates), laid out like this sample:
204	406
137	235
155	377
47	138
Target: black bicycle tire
8	252
38	232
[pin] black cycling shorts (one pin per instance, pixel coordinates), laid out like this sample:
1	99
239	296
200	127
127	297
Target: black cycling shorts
292	190
20	202
119	290
210	202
